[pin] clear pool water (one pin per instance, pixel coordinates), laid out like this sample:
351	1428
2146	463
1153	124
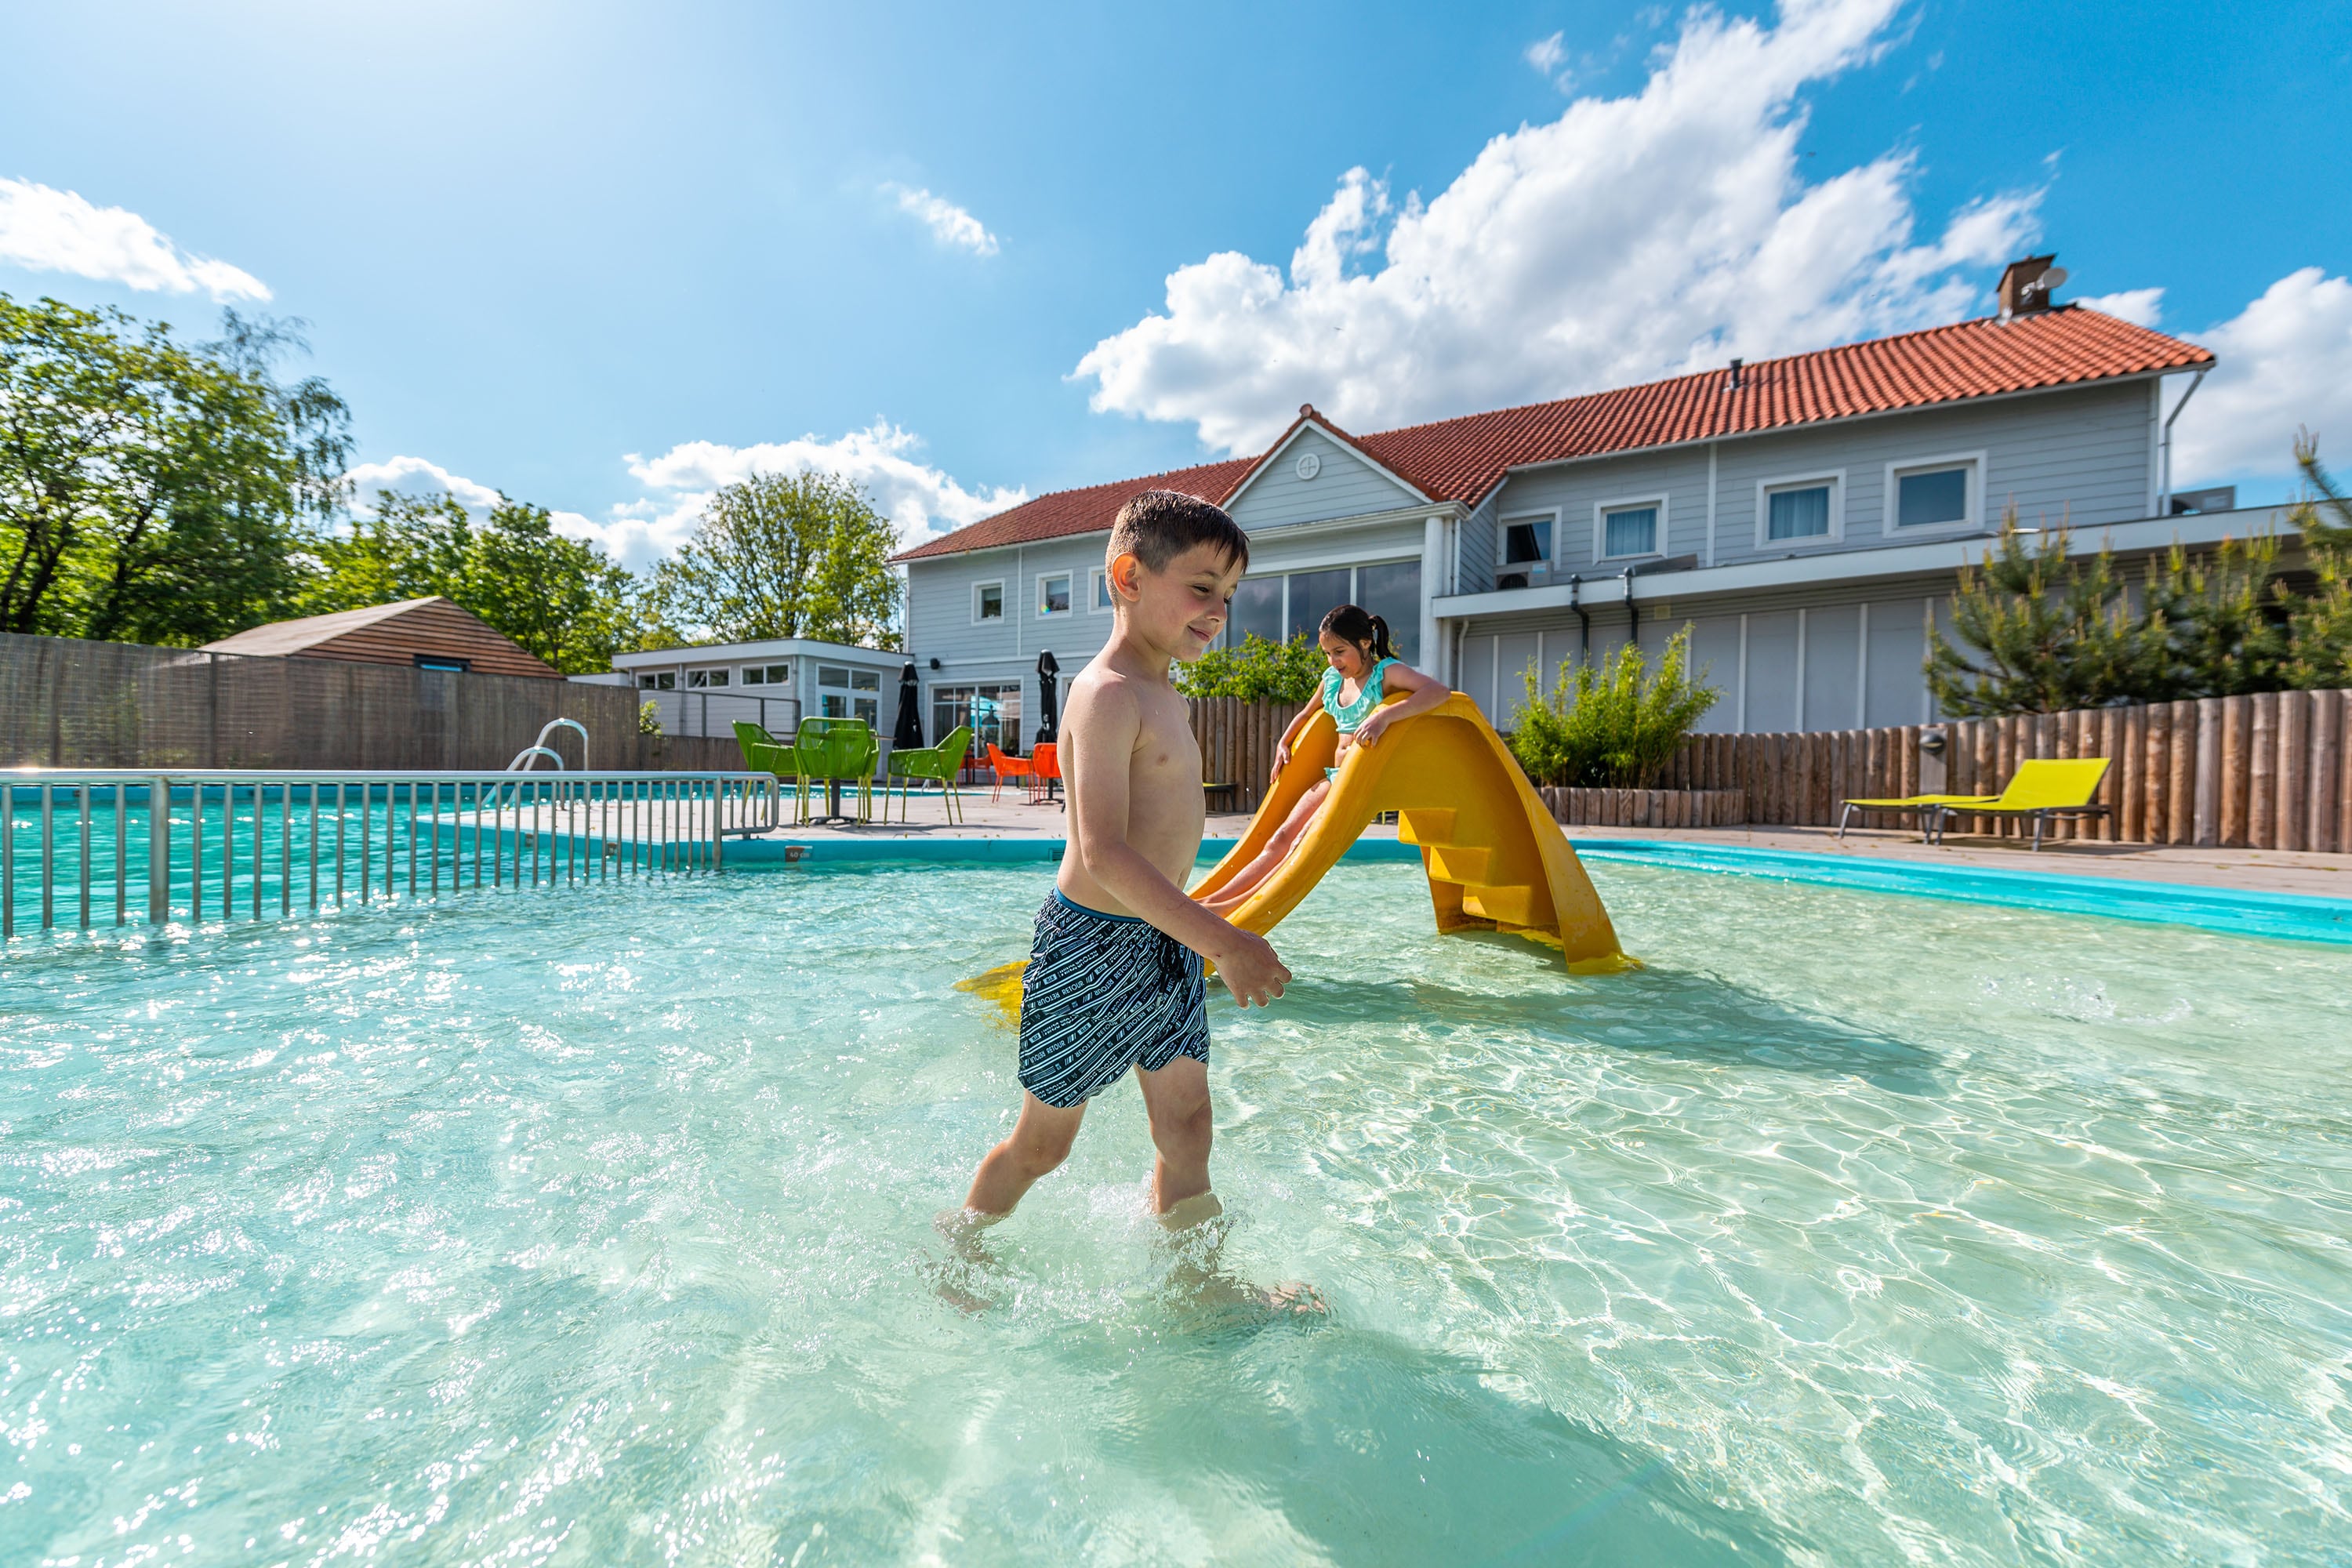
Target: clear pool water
589	1229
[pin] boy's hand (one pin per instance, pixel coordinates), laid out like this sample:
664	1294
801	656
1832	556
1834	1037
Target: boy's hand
1249	969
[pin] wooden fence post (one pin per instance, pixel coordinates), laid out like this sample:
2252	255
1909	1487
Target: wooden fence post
2327	737
2294	769
2262	774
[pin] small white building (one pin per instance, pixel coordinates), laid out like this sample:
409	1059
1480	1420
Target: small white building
703	691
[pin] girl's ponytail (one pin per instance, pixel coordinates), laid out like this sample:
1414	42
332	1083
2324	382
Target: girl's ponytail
1353	623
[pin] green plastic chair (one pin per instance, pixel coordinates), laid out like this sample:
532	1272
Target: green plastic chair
941	763
831	748
764	753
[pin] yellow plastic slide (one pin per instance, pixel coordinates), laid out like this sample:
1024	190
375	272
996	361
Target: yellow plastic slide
1494	858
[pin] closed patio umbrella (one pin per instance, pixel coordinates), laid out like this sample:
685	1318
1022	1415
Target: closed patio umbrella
907	734
1049	698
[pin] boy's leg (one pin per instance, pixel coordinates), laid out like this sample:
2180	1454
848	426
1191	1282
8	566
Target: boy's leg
1040	1141
1182	1126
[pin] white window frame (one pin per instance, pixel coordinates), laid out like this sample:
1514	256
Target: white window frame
700	679
1971	518
743	676
1767	489
1098	580
1044	577
1601	510
1503	537
997	619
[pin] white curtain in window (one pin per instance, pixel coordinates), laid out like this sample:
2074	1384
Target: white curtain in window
1632	532
1798	514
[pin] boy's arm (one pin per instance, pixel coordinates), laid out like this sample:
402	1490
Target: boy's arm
1100	732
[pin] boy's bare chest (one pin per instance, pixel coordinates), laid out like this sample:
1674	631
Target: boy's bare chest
1165	747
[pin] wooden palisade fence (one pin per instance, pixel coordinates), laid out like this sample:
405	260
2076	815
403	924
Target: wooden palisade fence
2266	771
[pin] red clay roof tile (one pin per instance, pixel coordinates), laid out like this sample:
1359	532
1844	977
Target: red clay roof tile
1462	459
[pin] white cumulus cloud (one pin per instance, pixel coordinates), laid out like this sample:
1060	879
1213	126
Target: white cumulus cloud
1630	238
2141	307
949	224
415	475
2285	362
47	230
1548	55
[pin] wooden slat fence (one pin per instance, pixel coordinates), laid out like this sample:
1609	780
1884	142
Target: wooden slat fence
67	703
2267	771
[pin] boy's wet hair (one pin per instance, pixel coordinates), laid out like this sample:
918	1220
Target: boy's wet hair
1158	526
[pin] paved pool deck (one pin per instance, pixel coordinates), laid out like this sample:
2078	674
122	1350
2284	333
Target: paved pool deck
1015	828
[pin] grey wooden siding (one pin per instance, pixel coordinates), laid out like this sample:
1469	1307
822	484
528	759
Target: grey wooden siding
2083	455
1477	548
939	610
1831	656
1347	486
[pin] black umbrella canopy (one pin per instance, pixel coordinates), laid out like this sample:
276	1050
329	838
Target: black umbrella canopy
907	734
1049	698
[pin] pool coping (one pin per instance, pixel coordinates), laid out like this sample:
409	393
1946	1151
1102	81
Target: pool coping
2235	911
2232	911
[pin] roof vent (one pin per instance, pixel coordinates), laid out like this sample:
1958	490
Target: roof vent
1735	373
2027	284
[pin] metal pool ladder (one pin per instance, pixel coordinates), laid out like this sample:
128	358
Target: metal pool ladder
255	839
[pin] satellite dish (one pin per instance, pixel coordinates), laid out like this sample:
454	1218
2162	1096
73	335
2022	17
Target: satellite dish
2049	281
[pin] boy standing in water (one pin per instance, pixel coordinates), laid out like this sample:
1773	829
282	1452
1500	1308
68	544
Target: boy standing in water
1115	979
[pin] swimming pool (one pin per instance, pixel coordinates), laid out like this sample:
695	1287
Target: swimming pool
1856	1229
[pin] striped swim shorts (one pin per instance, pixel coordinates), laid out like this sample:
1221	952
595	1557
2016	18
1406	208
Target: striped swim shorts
1104	993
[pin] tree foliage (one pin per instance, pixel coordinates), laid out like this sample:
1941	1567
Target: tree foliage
564	600
1258	671
153	490
1613	722
2320	622
785	555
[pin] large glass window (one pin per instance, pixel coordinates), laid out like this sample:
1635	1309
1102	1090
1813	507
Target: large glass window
1527	539
1312	596
1932	496
1797	511
994	711
1257	608
1392	592
1629	530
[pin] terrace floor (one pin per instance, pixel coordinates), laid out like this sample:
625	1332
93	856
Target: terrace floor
2261	870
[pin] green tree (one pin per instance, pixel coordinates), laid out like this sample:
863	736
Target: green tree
2053	633
2214	622
564	600
150	489
2320	622
1258	671
784	555
1611	723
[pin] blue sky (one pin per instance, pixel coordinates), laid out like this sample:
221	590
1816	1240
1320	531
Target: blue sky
935	246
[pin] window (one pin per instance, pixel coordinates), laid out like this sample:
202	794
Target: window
866	680
767	675
1294	605
1938	495
703	679
665	681
987	602
1256	611
1525	539
1801	507
1630	529
1054	593
994	711
1313	594
832	674
1099	598
448	664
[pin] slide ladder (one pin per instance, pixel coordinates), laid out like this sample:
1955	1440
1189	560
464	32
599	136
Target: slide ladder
1494	858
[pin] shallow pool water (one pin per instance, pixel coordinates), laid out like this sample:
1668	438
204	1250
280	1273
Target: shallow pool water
591	1228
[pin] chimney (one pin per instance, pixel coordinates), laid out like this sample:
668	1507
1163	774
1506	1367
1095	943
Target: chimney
1734	374
2027	283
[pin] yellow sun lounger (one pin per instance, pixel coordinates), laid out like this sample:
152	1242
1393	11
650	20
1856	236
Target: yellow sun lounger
2042	788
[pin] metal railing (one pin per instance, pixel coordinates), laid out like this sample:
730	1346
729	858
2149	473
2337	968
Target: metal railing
224	840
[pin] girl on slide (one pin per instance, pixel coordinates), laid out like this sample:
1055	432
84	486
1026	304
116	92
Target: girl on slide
1362	670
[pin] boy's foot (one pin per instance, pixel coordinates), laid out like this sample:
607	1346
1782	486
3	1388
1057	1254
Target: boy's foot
968	1263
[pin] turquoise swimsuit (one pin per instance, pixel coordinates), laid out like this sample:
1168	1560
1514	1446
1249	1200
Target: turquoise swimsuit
1349	715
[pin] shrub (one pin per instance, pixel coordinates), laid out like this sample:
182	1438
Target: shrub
1256	671
1611	724
649	718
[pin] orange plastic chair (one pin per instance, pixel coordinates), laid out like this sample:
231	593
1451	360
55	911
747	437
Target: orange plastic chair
1045	771
1004	767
